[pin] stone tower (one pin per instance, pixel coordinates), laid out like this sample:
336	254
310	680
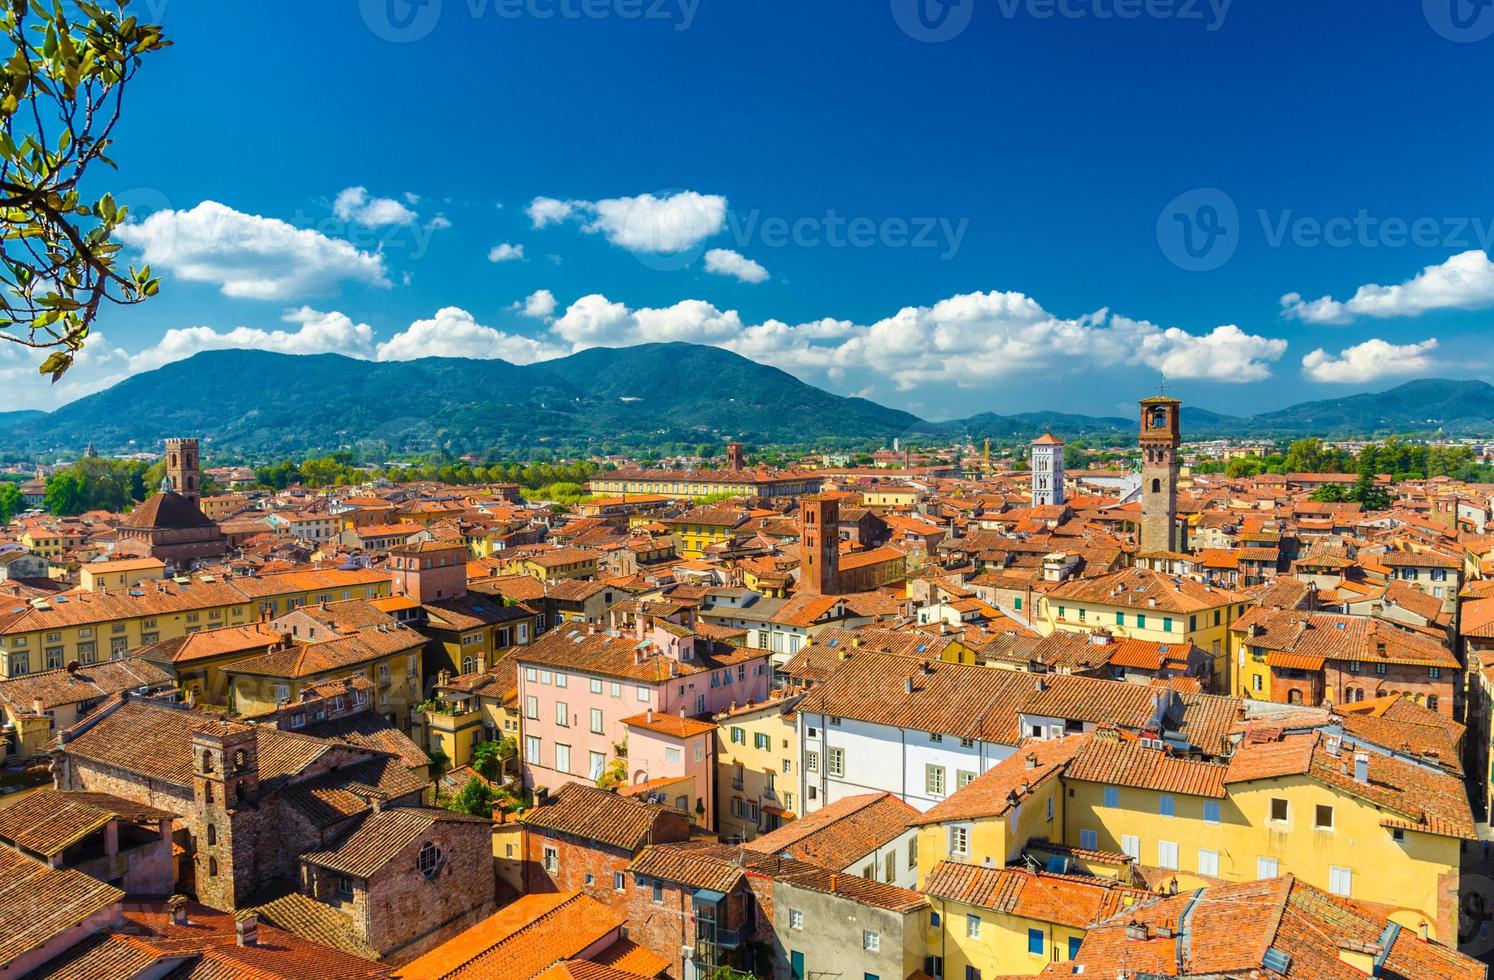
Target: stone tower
735	462
819	544
182	468
225	786
1047	471
1160	437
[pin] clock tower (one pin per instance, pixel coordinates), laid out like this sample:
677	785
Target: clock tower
1160	438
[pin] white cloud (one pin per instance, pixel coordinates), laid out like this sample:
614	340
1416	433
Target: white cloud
1368	361
1464	282
539	304
438	223
453	332
354	204
968	340
544	211
725	262
505	253
645	223
249	256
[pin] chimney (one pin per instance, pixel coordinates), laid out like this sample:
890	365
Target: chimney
1040	684
1423	930
650	716
177	904
247	930
907	685
1032	760
1361	767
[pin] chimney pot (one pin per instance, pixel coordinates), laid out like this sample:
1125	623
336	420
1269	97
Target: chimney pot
246	930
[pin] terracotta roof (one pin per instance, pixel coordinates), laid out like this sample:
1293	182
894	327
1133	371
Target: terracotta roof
38	902
47	822
308	660
168	511
1143	590
841	833
520	941
54	688
594	814
256	637
380	836
1067	900
669	724
1121	763
1007	784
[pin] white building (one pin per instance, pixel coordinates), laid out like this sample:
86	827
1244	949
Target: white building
1047	471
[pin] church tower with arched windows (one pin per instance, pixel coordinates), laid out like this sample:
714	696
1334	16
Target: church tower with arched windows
1160	438
1047	471
225	787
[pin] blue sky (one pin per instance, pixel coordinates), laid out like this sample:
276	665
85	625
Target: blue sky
1057	205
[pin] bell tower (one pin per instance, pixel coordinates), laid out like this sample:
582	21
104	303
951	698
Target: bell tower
1047	471
1160	438
819	544
182	468
225	781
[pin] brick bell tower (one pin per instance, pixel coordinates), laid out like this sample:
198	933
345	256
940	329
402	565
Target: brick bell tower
225	787
182	468
1160	438
819	544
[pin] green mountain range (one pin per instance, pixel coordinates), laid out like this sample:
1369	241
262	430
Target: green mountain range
264	404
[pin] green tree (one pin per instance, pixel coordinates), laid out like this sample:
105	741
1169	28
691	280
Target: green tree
64	496
491	758
1329	493
476	798
64	87
11	502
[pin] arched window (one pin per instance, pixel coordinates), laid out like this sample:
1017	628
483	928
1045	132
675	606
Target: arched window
429	860
1156	486
207	792
212	835
239	758
239	792
207	761
1294	697
212	867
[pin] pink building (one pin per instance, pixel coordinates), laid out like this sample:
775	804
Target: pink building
580	686
672	758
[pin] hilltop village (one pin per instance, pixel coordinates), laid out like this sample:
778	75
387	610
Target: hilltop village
901	721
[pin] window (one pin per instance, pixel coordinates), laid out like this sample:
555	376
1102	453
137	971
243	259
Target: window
1112	797
1278	810
1323	817
912	852
590	878
1035	942
1266	868
738	735
1211	811
616	690
531	706
562	680
596	685
1074	943
1131	846
959	841
870	940
1120	619
1050	809
344	887
933	780
658	893
596	721
1089	840
532	749
598	762
972	926
1167	624
1141	621
673	755
643	694
428	861
1166	805
972	973
1381	668
618	880
1167	854
796	919
761	741
936	738
545	677
1340	881
1208	863
811	762
837	762
562	714
963	777
1434	672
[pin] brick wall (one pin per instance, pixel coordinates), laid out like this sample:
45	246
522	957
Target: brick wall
575	859
404	914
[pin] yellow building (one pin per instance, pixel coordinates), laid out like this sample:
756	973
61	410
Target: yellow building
196	661
48	542
698	529
45	634
1148	605
1014	921
1355	822
757	768
1363	825
389	659
468	710
99	576
556	563
889	498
